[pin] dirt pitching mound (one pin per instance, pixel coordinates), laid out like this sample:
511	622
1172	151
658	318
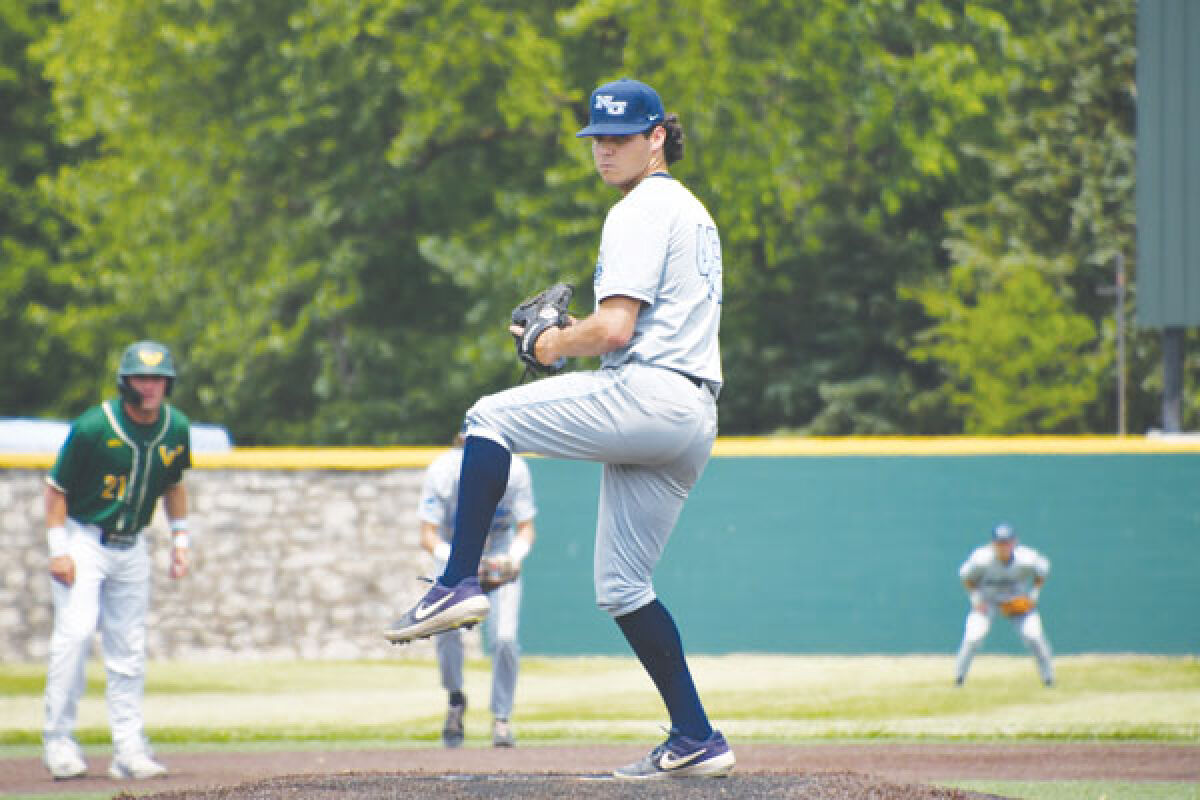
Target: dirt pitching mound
420	786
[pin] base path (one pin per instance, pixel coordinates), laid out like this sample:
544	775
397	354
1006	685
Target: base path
884	770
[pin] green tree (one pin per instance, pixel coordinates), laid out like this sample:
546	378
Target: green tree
329	209
264	174
822	137
1020	357
43	371
1061	208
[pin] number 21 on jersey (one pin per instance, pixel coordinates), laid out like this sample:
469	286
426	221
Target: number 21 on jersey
114	487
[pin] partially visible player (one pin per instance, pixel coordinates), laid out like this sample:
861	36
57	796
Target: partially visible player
1007	577
649	414
508	543
119	458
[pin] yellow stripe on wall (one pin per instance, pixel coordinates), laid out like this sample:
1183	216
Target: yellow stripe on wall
348	458
375	458
951	445
343	458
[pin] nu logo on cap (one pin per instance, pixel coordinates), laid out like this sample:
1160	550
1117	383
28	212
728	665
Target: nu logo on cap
613	107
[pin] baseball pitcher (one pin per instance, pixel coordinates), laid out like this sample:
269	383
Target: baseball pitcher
649	414
118	459
1007	577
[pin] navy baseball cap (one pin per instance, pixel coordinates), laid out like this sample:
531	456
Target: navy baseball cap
1003	533
623	107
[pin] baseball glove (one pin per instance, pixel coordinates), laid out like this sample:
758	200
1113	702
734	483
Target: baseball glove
1018	605
545	309
495	571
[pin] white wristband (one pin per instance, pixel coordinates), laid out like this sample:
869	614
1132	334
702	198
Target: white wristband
976	598
57	538
1034	592
518	550
181	540
178	525
441	550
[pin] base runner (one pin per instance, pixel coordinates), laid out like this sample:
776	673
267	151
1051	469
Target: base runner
118	459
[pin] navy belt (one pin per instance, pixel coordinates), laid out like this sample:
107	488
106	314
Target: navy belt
117	540
699	383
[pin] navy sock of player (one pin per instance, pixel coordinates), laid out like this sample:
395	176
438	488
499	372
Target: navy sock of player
481	484
654	637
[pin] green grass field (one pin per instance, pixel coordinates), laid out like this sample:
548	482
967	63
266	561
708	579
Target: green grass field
191	706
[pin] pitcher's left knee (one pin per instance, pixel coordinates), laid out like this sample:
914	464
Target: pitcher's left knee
619	599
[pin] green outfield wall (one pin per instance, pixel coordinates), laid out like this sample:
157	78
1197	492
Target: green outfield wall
791	545
820	551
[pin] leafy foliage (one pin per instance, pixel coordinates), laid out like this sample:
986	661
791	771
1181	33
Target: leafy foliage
327	209
1020	331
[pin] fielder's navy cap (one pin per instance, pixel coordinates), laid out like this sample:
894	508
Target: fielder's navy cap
1003	533
623	107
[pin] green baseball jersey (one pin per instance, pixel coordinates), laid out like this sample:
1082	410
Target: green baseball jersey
113	470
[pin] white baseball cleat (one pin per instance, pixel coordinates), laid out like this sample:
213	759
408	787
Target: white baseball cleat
502	733
64	759
139	766
681	757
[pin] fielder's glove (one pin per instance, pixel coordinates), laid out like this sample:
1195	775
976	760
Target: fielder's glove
545	309
495	571
1018	605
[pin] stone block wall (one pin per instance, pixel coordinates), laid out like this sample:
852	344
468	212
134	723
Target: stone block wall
287	564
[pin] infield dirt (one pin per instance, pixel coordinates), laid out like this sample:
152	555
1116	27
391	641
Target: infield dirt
827	770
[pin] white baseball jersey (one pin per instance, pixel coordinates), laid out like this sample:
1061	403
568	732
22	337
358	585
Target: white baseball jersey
660	245
998	581
641	415
439	500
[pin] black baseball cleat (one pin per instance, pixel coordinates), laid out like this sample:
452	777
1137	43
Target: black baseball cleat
453	729
441	609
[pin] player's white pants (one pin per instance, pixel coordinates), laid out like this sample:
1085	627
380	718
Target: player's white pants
653	430
500	631
112	590
1029	626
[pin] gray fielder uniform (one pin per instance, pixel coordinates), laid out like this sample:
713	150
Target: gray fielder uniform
997	583
439	499
649	413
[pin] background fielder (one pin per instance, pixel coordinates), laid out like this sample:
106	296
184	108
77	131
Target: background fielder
118	459
509	541
1007	577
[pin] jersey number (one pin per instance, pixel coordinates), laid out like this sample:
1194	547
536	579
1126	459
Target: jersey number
708	259
114	487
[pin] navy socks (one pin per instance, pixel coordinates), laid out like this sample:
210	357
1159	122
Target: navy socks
481	485
653	635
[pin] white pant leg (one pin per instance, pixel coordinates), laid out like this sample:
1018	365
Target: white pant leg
449	647
651	428
638	511
631	415
501	627
76	610
1029	626
976	630
124	600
